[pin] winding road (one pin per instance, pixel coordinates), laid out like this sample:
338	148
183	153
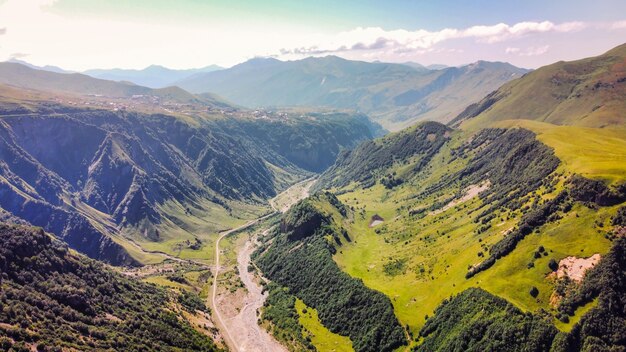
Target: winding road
242	332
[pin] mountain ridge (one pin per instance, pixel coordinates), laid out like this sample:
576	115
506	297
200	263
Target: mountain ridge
153	76
395	95
498	227
588	92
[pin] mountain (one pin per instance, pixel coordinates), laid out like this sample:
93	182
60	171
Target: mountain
300	258
18	75
416	66
506	234
491	217
436	67
44	68
153	76
56	299
395	95
85	175
589	92
106	179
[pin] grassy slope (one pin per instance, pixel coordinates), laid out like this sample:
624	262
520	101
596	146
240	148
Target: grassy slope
598	153
204	226
444	245
322	338
588	92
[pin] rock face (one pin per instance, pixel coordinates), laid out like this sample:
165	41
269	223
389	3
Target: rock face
84	174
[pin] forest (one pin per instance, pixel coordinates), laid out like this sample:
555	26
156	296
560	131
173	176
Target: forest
54	299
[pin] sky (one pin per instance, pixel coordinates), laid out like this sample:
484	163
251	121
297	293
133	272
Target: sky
85	34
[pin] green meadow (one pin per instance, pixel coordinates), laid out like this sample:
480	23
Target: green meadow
322	338
418	261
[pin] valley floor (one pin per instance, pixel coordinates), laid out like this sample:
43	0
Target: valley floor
236	307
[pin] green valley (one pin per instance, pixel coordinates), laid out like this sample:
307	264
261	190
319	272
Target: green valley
330	176
442	220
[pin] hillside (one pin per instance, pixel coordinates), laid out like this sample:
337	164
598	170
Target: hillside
153	76
45	68
367	163
395	95
501	235
21	76
577	108
106	180
494	210
589	92
298	256
55	299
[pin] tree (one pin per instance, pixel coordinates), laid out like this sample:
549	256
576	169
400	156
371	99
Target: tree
534	291
553	265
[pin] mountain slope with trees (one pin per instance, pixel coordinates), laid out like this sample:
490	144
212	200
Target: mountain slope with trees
508	229
299	257
53	299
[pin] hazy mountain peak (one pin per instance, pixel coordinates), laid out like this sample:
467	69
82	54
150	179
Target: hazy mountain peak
153	76
44	68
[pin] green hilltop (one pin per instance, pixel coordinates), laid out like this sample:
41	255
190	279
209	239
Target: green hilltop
588	92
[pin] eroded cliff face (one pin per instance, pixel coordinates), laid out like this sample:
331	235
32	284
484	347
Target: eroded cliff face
86	174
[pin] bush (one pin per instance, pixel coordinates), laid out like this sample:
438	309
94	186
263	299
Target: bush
553	265
620	218
534	292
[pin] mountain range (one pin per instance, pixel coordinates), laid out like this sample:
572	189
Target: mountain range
496	224
395	95
153	76
502	231
91	174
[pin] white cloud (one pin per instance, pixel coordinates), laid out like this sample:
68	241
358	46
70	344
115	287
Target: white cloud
82	42
530	51
18	56
373	38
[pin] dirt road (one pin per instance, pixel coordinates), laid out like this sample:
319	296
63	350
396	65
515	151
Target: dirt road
242	332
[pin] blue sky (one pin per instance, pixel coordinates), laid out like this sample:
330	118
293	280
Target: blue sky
82	34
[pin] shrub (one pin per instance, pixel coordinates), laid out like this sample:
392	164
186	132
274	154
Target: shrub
534	291
553	265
